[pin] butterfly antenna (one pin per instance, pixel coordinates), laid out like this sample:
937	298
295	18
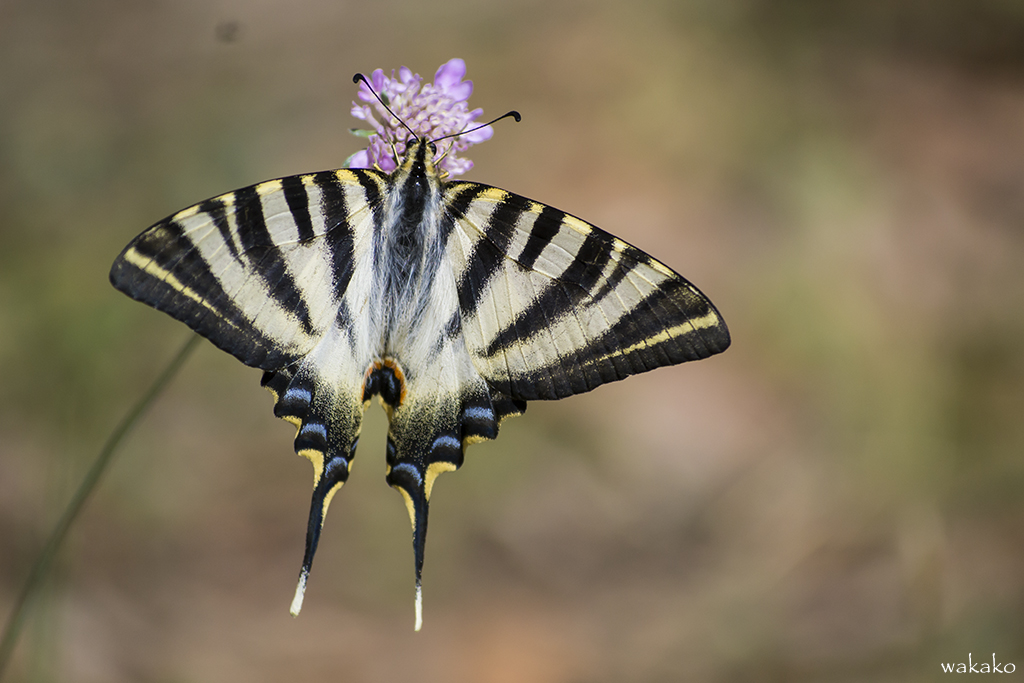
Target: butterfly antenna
514	114
361	77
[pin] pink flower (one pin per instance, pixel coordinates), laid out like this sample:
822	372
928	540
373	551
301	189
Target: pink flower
432	110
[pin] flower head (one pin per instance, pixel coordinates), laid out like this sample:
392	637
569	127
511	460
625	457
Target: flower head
432	110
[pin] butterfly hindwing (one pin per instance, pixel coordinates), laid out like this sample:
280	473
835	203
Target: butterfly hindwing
553	306
327	412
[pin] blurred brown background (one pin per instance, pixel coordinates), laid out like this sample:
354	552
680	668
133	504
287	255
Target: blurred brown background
839	497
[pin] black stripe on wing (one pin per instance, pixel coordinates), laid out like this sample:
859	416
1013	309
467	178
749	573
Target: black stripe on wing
541	234
488	255
217	212
264	258
298	203
341	238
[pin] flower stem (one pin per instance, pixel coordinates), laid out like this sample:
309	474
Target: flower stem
16	621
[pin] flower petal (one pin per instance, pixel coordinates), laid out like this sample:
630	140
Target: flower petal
461	91
360	159
450	73
479	135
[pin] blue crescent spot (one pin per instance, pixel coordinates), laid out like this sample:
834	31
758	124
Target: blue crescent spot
446	440
334	463
478	413
314	427
298	393
409	468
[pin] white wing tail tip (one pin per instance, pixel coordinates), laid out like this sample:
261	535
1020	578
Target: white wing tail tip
419	607
300	592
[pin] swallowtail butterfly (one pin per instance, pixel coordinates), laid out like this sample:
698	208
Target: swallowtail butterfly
453	302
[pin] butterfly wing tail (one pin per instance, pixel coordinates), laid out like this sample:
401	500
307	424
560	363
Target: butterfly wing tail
335	474
408	478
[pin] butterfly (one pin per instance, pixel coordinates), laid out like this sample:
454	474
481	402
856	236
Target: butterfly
453	302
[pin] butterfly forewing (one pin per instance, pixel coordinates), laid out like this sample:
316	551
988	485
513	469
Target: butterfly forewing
262	271
553	306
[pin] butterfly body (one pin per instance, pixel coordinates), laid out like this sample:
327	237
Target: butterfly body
453	302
